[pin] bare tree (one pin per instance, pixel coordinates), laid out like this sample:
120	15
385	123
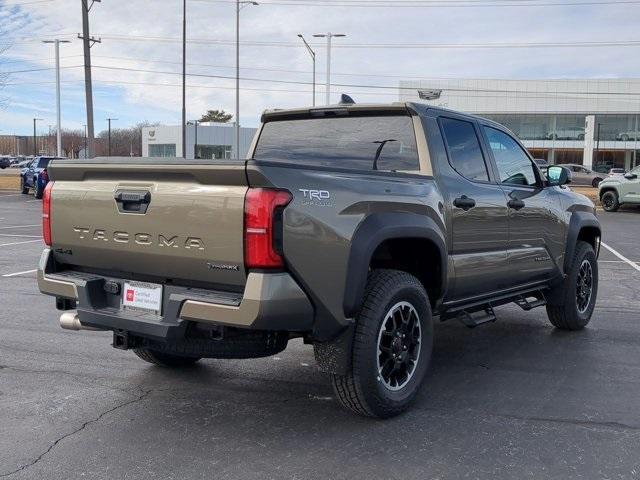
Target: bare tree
125	142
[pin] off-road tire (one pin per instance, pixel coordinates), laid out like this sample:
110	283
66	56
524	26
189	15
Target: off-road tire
564	314
596	181
361	390
610	201
23	186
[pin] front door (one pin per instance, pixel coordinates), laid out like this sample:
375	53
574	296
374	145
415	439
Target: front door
477	209
536	232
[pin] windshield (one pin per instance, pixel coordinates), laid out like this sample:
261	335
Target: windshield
343	142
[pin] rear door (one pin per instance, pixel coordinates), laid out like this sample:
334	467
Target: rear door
536	232
478	212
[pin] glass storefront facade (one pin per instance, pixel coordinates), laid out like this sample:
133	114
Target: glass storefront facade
162	150
557	138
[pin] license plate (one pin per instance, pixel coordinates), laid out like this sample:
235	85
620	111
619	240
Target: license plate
142	296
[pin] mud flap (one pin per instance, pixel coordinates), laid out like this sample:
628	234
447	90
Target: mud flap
334	356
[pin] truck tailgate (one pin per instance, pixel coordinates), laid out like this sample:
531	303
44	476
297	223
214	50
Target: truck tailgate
173	219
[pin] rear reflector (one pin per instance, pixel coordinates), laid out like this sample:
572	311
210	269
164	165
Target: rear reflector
46	214
261	206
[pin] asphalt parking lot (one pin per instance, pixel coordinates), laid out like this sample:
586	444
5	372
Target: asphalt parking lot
512	399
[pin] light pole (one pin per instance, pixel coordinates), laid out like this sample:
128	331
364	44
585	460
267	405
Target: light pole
110	120
313	57
195	143
329	36
239	6
57	43
35	142
184	78
85	141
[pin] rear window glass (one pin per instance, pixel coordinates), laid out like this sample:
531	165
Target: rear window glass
43	163
342	142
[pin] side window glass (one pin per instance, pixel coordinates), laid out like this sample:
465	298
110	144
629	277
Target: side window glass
514	166
465	154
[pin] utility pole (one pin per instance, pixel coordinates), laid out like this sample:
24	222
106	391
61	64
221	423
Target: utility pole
239	6
184	78
57	43
329	36
35	141
109	141
85	142
313	57
88	42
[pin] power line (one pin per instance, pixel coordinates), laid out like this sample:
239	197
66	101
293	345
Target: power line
435	4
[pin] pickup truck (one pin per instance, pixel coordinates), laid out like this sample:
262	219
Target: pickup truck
352	227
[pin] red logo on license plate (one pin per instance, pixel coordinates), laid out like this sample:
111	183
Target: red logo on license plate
130	295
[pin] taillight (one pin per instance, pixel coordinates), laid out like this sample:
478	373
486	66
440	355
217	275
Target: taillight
261	206
44	175
46	214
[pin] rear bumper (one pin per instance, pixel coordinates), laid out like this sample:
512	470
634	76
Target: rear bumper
271	301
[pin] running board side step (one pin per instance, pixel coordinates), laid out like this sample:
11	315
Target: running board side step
527	305
473	319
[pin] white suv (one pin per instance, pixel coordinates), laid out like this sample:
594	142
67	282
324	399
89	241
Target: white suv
620	189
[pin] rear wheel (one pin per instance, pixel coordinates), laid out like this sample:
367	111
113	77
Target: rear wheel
610	202
23	186
37	190
578	292
164	359
391	348
596	182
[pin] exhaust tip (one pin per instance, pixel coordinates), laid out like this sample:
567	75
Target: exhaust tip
70	321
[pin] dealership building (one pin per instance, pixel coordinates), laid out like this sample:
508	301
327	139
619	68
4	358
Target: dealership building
595	123
214	141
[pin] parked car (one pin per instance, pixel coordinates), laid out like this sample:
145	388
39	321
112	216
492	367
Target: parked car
352	227
35	176
568	133
542	164
22	164
5	162
617	172
619	190
629	135
582	175
603	167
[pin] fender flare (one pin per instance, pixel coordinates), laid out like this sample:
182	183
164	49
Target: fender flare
579	220
374	230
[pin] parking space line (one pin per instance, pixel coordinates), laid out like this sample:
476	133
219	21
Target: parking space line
10	195
19	273
21	226
19	235
621	257
19	243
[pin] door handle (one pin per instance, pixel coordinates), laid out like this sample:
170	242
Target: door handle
133	201
515	203
464	202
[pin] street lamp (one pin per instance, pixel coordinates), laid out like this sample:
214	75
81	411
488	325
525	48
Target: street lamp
35	142
239	6
57	43
195	143
313	57
329	36
110	120
85	141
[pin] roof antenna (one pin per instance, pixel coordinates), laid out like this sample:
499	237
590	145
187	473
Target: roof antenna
346	100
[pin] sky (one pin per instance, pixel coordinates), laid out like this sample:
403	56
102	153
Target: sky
137	65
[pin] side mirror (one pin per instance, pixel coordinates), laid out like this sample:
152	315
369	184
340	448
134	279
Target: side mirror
558	176
630	176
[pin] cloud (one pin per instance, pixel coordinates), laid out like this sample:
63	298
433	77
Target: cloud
135	95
